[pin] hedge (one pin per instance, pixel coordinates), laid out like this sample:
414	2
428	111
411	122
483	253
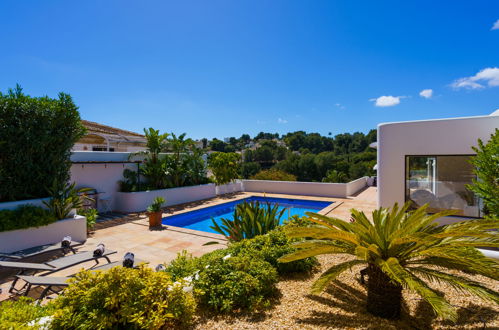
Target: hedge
36	136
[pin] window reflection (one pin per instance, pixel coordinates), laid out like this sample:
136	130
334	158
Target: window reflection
441	182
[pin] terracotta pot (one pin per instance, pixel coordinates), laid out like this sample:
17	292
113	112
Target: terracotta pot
154	219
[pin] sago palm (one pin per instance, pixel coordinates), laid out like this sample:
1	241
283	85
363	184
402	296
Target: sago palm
403	250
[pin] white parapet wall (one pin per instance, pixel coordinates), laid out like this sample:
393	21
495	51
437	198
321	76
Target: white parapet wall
140	200
340	190
355	186
230	188
20	239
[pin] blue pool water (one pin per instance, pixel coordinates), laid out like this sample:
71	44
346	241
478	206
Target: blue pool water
201	219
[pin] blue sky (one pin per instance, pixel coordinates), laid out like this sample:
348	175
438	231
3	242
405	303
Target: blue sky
223	68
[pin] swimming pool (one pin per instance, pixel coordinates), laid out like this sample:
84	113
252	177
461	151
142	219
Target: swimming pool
201	219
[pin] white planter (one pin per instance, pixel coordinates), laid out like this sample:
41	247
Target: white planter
15	204
140	200
16	240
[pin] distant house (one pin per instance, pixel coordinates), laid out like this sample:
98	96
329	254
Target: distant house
106	138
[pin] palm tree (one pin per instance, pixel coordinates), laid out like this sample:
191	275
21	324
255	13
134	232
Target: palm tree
154	165
403	250
179	145
156	142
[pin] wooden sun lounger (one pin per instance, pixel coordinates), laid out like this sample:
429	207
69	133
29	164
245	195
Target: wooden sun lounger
49	282
39	250
53	265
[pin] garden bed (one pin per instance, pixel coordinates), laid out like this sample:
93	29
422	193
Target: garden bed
16	240
342	306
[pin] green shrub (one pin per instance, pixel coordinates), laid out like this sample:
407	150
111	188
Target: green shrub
18	314
91	214
25	216
486	163
296	220
123	298
183	265
271	247
274	175
237	282
37	134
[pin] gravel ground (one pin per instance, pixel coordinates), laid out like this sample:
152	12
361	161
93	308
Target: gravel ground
342	306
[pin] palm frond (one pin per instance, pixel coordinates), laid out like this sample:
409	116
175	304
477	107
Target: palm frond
458	282
311	252
331	222
321	233
331	274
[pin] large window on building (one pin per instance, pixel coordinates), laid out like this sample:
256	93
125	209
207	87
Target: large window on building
440	181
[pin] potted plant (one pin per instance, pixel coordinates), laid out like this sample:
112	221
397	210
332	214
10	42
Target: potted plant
154	212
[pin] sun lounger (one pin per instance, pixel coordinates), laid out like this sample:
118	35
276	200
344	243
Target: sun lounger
49	282
39	250
53	265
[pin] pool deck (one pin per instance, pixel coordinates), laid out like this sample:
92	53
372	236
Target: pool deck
132	233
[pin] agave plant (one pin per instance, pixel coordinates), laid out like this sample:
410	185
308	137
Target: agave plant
403	250
250	219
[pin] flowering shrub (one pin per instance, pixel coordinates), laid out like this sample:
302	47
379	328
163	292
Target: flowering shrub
123	298
22	314
225	282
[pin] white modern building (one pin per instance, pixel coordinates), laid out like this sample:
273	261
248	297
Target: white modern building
427	161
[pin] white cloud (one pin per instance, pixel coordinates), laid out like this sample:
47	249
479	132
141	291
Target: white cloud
426	93
339	105
489	76
496	25
386	101
282	121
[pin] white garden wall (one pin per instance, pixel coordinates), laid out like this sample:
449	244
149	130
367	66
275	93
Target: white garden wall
230	188
356	185
16	240
101	171
296	188
102	177
140	200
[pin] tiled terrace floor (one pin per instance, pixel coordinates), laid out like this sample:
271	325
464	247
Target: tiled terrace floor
132	233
